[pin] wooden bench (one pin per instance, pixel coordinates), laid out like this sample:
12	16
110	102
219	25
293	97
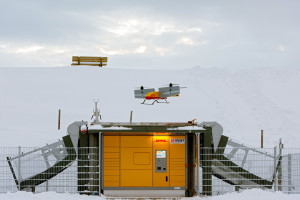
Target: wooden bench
92	61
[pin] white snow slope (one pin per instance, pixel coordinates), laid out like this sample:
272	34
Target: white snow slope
242	101
245	195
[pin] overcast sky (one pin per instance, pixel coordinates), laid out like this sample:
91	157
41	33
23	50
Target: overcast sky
151	34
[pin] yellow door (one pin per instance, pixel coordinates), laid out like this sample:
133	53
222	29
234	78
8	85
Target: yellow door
161	155
136	161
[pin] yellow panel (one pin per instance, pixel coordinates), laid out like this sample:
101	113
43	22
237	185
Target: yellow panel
136	178
111	172
111	178
177	184
136	141
136	158
142	158
161	179
177	172
177	168
111	141
177	160
177	150
111	155
177	163
112	149
111	161
112	184
111	167
177	178
136	161
111	164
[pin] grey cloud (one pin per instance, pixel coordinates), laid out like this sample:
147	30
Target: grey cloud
236	33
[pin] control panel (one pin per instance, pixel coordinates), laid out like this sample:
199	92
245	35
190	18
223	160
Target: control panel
161	161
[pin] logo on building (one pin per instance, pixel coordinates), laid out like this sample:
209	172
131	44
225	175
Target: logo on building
177	141
160	140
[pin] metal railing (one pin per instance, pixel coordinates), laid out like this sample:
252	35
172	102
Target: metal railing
234	168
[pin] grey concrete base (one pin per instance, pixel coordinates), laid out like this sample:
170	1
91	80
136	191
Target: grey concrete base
144	193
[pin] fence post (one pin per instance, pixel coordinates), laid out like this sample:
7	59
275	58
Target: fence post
198	157
58	126
262	139
47	186
280	166
100	163
19	168
131	116
275	173
289	173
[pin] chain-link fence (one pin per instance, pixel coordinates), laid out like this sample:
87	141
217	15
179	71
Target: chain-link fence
234	168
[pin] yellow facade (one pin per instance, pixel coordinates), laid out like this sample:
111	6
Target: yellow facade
130	161
111	161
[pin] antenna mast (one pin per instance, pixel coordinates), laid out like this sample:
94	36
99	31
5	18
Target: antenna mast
96	113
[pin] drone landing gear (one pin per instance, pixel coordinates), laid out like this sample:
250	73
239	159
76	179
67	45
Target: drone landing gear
154	102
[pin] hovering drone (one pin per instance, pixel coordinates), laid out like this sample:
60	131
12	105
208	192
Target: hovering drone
173	90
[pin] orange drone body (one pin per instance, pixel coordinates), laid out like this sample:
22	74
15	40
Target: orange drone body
153	95
162	93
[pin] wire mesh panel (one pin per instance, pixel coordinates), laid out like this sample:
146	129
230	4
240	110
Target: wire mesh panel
7	183
76	170
289	171
236	168
54	169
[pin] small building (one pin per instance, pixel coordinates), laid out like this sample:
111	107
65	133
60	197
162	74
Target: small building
148	159
145	159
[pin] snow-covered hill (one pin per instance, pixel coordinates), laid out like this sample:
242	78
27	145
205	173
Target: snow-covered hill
242	101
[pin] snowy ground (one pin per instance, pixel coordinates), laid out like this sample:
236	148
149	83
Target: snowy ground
243	101
254	194
246	195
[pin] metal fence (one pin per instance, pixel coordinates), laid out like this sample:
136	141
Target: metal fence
233	168
236	169
42	169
